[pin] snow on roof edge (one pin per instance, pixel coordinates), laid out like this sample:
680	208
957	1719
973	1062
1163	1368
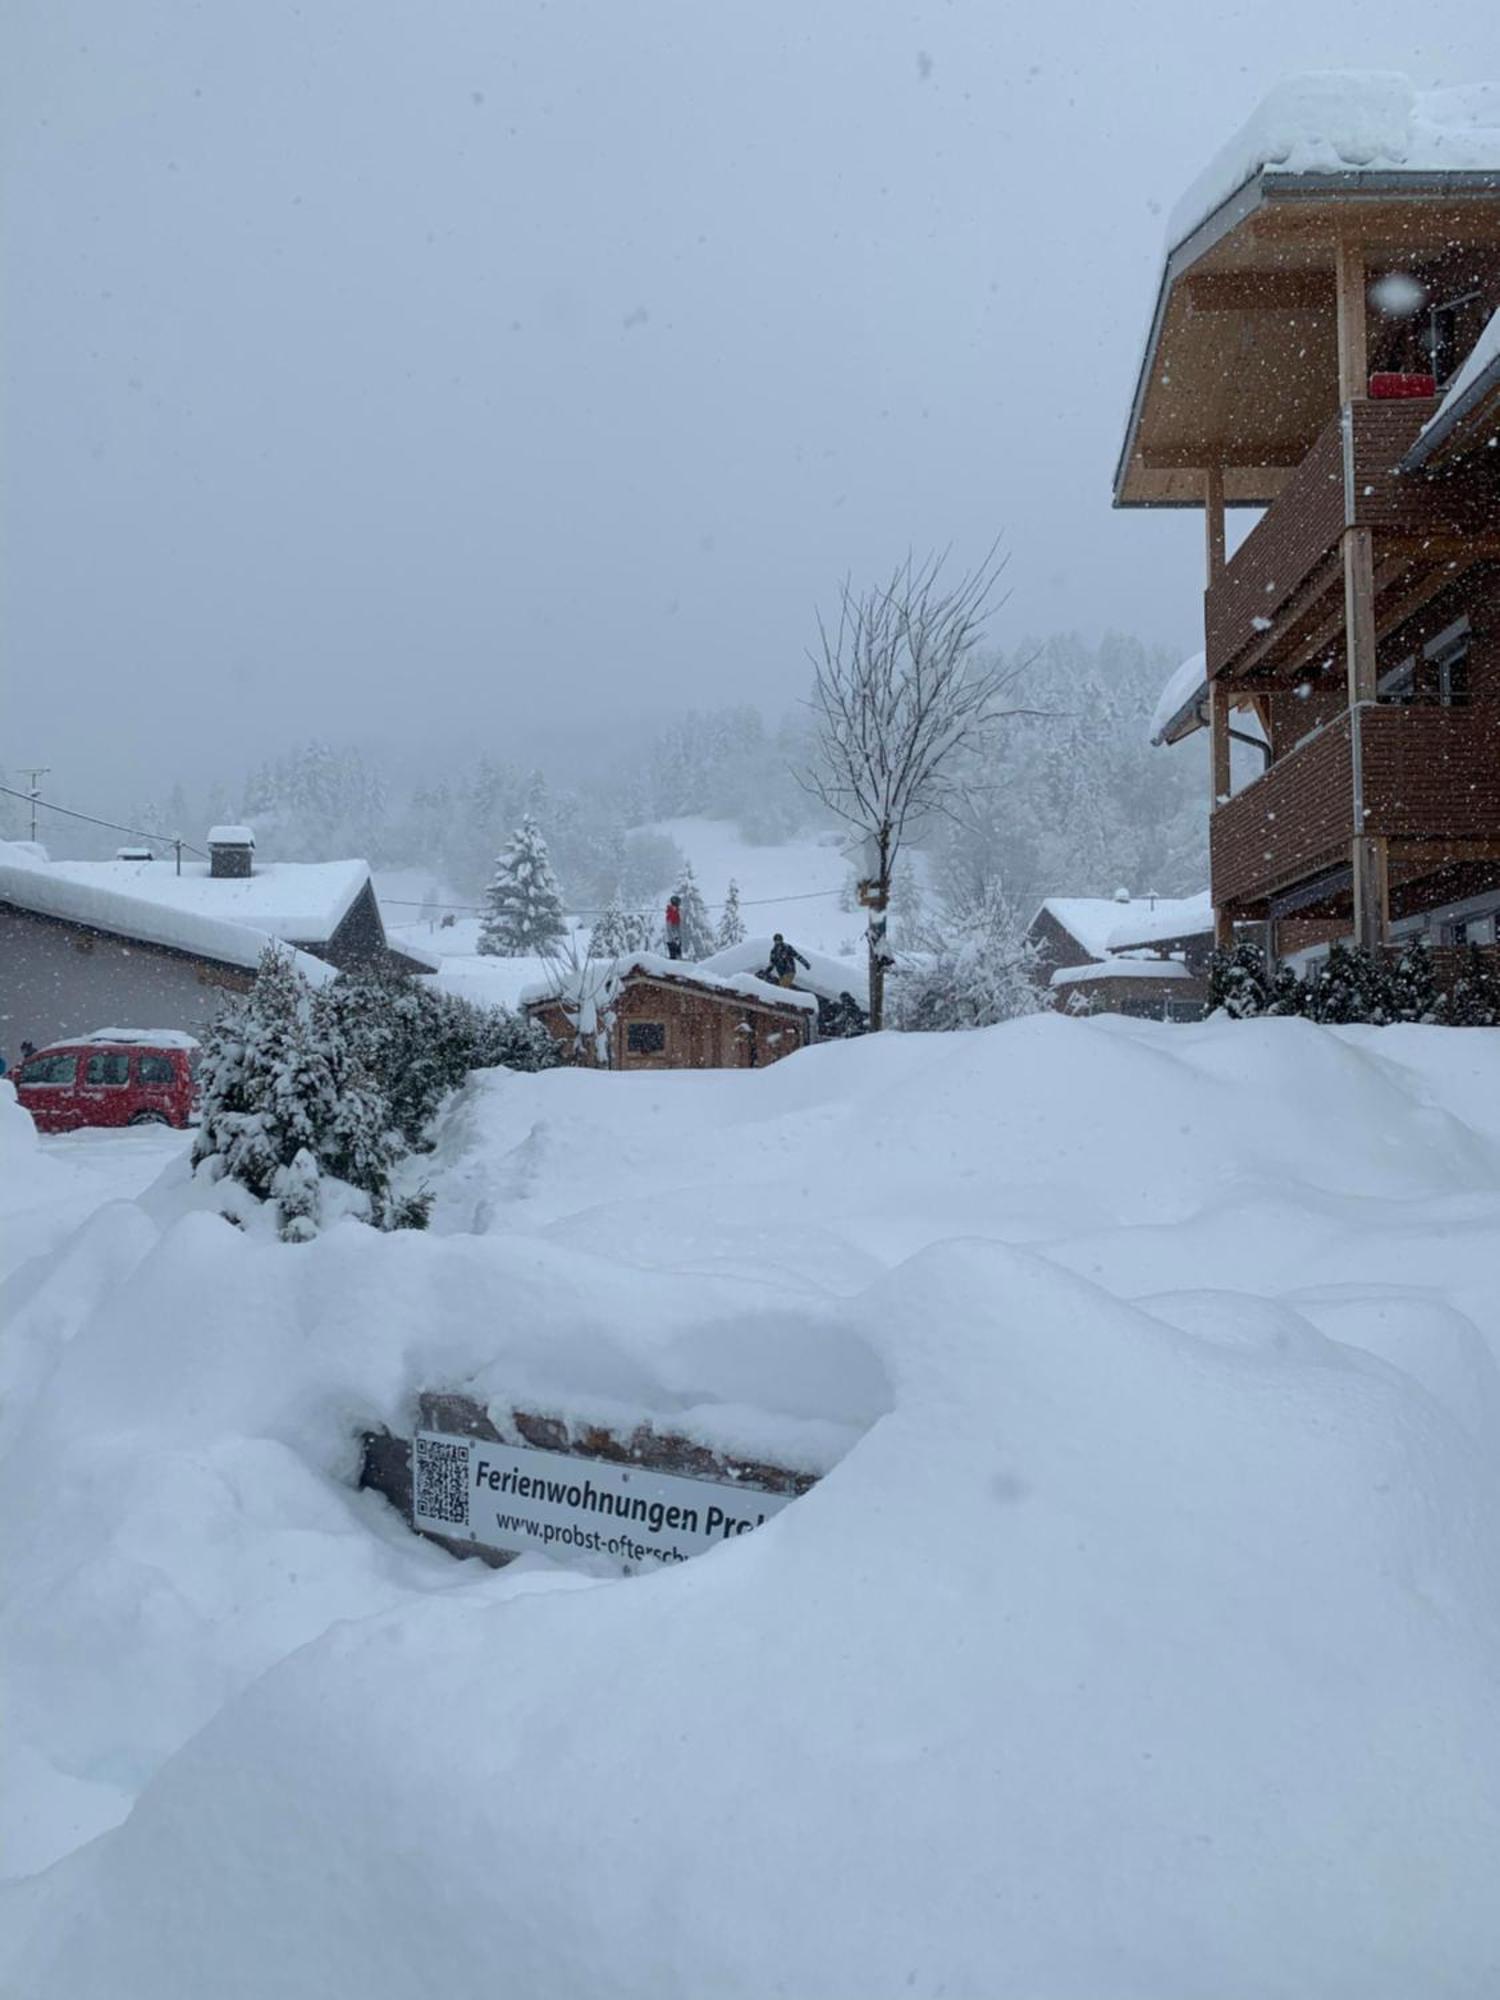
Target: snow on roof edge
1120	968
38	889
1346	121
570	982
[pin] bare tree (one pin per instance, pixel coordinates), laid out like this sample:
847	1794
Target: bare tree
898	698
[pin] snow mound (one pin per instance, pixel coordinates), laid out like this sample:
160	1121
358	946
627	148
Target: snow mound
1154	1375
1335	121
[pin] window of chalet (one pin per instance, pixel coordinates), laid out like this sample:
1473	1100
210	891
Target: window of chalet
1451	328
1438	677
112	1068
646	1038
50	1069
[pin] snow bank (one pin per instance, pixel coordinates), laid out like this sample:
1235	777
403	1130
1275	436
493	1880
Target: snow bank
1335	121
1143	1632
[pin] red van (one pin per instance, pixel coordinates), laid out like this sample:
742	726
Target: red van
120	1076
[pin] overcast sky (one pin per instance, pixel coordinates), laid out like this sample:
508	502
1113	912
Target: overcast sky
445	372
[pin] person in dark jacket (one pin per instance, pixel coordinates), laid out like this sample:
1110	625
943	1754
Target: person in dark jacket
674	927
785	958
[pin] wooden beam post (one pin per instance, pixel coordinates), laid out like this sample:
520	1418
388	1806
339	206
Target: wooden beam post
1359	614
1349	293
1219	783
1367	854
1213	522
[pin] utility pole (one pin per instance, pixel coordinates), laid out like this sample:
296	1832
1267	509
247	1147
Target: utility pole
33	773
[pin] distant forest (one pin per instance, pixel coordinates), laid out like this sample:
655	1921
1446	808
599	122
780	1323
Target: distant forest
1069	798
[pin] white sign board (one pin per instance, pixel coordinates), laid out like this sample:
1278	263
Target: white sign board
504	1496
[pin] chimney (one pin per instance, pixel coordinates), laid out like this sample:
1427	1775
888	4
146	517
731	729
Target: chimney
231	849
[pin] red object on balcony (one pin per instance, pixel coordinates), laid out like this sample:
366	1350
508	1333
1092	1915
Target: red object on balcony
1392	388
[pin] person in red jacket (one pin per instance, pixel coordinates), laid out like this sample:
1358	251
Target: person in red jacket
674	927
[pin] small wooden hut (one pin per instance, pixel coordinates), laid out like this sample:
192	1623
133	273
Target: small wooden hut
646	1012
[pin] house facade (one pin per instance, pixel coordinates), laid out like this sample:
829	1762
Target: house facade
83	943
1146	956
1326	347
648	1013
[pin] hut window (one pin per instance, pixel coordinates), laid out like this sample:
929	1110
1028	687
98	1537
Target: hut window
646	1038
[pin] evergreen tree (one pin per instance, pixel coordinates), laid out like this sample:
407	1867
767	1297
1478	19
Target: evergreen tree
1412	992
1237	983
696	932
731	923
267	1091
525	912
618	932
1474	999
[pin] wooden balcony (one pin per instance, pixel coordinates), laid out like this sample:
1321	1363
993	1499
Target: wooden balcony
1279	603
1431	782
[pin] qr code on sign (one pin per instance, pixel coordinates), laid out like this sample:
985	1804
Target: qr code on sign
440	1489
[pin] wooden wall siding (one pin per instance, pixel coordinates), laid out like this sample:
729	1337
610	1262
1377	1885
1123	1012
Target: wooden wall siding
703	1030
1430	775
1433	773
1289	823
1288	568
1280	553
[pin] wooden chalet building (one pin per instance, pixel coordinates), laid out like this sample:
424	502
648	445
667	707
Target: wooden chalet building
646	1012
1145	956
1326	347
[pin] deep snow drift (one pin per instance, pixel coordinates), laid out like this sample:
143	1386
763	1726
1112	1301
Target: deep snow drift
1142	1638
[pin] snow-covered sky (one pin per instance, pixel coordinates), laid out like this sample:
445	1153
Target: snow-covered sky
453	373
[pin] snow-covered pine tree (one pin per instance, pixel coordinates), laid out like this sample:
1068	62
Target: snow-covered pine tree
617	932
1412	983
1473	1000
697	933
1237	982
524	904
267	1089
731	923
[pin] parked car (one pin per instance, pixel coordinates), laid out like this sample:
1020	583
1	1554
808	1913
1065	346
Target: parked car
119	1076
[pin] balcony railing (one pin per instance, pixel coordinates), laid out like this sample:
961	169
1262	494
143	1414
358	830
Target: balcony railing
1429	776
1284	584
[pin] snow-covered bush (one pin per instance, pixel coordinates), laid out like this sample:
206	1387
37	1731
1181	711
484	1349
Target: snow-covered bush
1351	985
524	908
979	970
302	1088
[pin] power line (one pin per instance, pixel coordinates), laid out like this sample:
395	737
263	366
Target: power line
746	903
114	826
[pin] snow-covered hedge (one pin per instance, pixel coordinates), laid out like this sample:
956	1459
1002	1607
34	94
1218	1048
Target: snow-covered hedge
1351	986
310	1097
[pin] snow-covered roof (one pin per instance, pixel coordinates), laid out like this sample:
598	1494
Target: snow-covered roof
230	836
303	902
54	889
1479	377
1173	917
1186	689
830	978
1342	121
145	1038
1094	920
595	978
1120	968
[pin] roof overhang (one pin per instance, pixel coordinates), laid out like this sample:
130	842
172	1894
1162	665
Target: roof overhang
1240	365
